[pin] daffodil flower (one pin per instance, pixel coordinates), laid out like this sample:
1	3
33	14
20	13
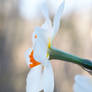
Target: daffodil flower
83	84
40	77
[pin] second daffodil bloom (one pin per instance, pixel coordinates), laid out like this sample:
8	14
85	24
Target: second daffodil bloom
40	77
83	84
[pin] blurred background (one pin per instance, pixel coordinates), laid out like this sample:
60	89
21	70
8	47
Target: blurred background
75	37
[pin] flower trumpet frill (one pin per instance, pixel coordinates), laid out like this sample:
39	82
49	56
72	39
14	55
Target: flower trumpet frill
33	61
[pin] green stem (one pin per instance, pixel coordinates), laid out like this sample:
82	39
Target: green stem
60	55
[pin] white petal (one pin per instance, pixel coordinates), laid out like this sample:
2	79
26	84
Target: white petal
57	17
41	34
48	78
40	44
83	84
44	10
39	79
40	50
30	9
33	80
47	26
77	88
27	53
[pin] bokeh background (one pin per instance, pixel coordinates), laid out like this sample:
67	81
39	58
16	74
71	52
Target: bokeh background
75	37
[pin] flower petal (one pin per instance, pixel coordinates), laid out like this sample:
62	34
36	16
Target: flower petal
40	44
44	10
29	9
40	48
83	84
77	88
57	18
27	53
34	80
39	79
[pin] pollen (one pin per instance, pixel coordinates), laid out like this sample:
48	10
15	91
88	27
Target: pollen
35	36
33	61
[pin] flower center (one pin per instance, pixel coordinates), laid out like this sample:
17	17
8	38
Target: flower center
33	61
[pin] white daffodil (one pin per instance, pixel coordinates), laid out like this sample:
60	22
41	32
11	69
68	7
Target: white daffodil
40	77
83	84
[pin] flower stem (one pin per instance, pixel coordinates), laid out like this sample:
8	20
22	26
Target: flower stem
60	55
